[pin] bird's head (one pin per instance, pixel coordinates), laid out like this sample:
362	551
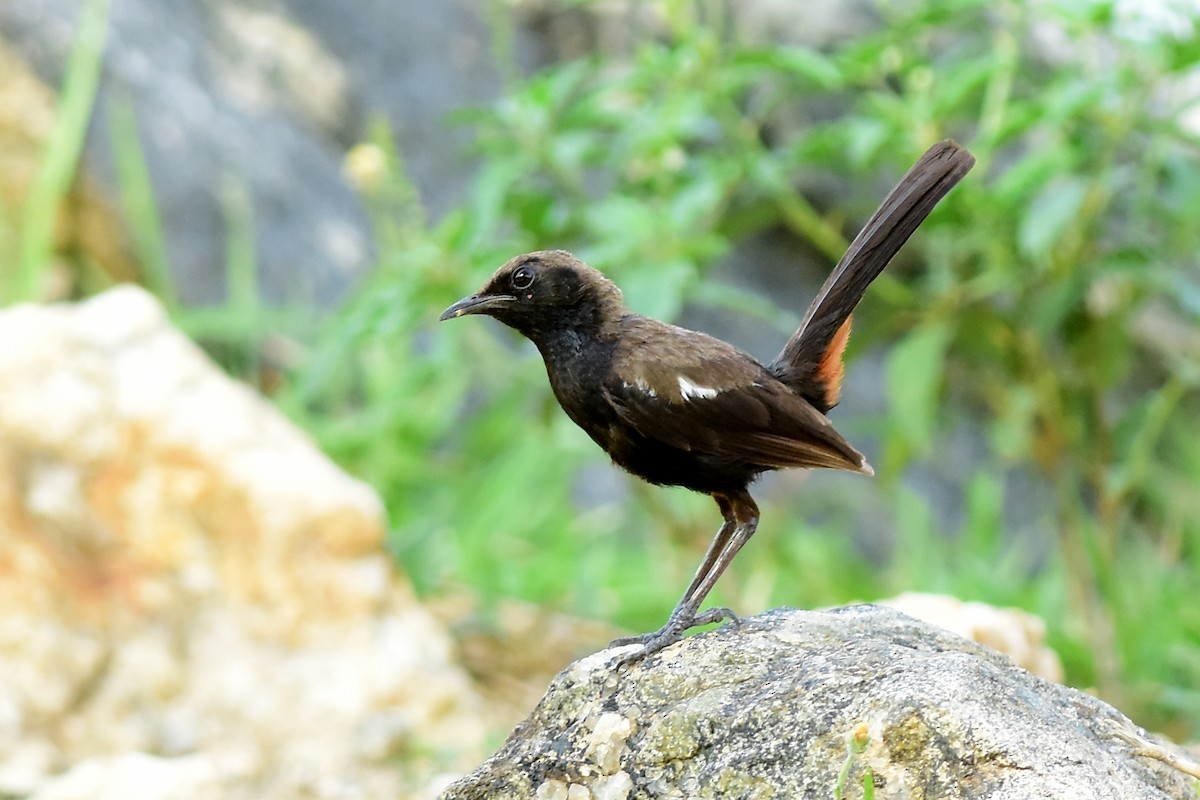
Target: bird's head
544	292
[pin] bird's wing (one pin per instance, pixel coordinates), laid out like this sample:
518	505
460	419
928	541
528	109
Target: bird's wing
694	392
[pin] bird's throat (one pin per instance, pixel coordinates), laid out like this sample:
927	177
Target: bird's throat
577	363
575	358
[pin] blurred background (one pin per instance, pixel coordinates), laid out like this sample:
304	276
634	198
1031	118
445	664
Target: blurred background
306	185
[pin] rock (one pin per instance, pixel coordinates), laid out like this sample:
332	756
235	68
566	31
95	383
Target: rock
135	776
151	469
243	113
768	709
188	581
1018	634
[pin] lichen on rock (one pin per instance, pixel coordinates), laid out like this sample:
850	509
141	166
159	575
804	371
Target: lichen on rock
781	705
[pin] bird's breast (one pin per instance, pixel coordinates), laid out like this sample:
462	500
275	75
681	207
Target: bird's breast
577	366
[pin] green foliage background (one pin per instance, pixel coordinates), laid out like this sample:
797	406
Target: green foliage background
1046	315
1048	308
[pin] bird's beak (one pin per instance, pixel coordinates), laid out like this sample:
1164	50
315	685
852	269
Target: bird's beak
475	304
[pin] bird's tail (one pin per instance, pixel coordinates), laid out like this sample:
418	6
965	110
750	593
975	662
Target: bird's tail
811	361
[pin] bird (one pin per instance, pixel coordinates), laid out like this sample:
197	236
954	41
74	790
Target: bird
679	407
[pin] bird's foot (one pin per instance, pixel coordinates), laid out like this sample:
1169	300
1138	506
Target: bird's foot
670	633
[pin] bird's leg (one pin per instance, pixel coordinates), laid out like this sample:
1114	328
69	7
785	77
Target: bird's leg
710	557
741	520
743	512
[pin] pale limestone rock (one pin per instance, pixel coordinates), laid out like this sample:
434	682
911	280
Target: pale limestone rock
551	789
195	600
607	741
617	786
135	776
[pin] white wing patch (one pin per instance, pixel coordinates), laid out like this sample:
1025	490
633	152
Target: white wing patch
690	391
642	386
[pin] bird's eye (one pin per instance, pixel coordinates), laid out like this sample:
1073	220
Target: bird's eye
522	278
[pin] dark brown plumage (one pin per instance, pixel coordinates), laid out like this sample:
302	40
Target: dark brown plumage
682	408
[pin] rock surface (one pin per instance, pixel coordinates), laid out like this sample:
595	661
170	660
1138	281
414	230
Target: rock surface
195	601
244	111
768	709
1018	634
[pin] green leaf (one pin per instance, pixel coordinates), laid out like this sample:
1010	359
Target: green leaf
1033	170
1011	431
984	525
807	63
658	290
914	378
61	157
1049	216
138	202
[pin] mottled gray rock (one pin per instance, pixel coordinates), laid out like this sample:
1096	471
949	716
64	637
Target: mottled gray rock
768	709
243	106
251	106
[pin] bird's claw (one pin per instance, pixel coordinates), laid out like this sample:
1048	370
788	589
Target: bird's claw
669	634
719	614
